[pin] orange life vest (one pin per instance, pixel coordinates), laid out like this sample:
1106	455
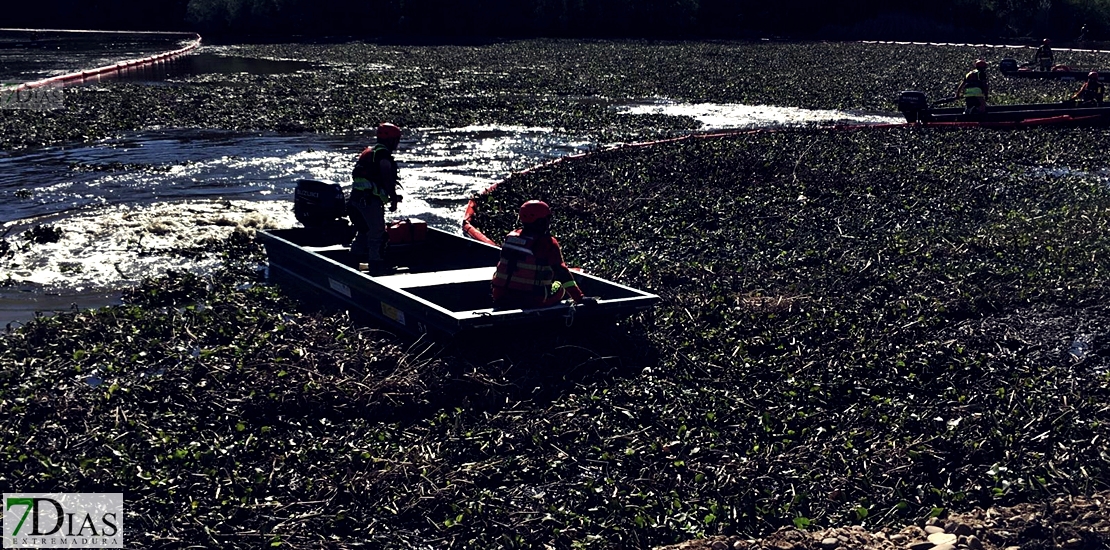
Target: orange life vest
520	270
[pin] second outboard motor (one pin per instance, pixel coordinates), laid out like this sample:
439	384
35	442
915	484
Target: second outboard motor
1008	66
318	203
911	103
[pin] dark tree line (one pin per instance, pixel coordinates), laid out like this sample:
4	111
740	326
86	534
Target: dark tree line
803	19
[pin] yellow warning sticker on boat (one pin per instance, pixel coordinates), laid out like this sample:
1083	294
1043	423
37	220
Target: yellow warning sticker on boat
393	313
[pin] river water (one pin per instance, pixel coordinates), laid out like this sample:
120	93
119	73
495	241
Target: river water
124	205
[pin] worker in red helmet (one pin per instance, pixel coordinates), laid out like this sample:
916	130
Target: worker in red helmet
1043	57
531	272
974	89
1092	92
374	184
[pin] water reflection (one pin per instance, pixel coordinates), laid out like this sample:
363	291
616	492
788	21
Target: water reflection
719	116
200	64
29	55
127	207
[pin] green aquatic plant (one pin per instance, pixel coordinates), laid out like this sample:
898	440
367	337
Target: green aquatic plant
567	84
873	326
43	234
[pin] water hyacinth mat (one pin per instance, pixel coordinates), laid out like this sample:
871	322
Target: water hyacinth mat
572	85
857	327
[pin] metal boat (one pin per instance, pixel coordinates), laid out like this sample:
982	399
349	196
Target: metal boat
438	284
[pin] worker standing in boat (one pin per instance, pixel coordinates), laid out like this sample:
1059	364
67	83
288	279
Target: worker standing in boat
1043	57
1092	92
531	272
975	89
374	184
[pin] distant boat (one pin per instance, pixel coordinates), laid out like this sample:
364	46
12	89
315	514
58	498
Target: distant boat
916	108
1011	68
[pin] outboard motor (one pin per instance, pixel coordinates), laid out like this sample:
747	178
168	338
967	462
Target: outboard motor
1008	65
318	203
911	104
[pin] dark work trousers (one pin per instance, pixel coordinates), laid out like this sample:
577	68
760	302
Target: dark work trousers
367	213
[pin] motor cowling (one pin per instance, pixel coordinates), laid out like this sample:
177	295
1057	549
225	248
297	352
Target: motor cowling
318	203
911	103
1008	65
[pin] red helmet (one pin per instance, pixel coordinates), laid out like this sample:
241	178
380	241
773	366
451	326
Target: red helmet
981	64
1093	75
388	130
1046	41
534	210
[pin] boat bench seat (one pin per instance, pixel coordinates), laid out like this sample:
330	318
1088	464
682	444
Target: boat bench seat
328	248
434	278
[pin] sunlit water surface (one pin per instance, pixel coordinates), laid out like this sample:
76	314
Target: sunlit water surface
32	55
125	206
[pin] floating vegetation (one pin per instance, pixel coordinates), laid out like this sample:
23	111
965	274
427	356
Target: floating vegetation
867	327
567	84
859	321
855	330
42	234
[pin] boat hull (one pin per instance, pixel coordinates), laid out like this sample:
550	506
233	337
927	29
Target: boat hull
439	286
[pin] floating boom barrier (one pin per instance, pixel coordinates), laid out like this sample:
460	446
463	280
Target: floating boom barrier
130	64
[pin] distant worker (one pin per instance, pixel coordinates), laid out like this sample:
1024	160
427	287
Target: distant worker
1092	92
531	272
1043	57
974	89
374	184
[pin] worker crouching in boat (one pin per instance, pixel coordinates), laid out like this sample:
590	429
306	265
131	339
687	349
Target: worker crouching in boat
1092	92
974	89
531	272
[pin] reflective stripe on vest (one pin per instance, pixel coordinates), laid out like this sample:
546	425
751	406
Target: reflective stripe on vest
363	184
973	83
374	167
